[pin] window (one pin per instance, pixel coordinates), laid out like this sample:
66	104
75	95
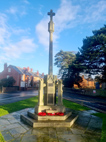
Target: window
9	69
8	76
22	77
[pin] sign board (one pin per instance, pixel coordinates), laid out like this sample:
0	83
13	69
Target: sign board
22	84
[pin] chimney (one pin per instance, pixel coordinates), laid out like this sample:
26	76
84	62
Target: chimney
5	66
24	68
38	73
42	74
31	70
28	68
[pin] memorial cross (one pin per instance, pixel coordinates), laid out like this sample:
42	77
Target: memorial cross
51	13
51	30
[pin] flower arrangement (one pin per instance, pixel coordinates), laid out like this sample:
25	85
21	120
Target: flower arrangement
41	113
51	114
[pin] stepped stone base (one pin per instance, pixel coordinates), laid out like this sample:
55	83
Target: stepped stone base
49	121
47	117
58	108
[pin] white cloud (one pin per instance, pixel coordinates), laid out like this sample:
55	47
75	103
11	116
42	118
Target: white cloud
69	16
4	33
40	10
42	32
17	49
3	19
17	10
64	16
18	31
12	10
95	12
10	49
22	10
26	1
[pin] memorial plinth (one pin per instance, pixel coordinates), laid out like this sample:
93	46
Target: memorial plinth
53	114
47	103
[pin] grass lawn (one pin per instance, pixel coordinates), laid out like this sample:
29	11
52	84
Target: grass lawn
103	116
74	106
1	138
30	103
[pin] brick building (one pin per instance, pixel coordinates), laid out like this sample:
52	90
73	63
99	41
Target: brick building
24	77
86	83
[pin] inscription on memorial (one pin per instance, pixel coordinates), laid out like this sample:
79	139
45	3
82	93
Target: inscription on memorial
50	98
50	84
50	88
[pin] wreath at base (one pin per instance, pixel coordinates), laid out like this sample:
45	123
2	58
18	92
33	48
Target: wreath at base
51	114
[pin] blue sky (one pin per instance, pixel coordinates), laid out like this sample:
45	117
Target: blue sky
24	36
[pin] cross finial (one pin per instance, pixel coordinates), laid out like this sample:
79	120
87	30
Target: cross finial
51	13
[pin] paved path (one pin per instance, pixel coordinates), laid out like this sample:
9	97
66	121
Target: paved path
87	128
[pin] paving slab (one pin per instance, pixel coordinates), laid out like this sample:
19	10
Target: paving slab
8	117
87	128
13	121
18	130
71	138
4	122
7	136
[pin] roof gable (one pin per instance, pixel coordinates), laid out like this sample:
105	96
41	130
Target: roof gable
18	69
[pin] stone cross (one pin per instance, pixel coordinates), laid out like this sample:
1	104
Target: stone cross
51	30
51	13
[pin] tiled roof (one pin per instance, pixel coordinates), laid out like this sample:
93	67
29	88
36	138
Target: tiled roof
40	75
18	69
33	74
22	71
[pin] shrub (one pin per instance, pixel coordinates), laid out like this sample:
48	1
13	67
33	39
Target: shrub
7	82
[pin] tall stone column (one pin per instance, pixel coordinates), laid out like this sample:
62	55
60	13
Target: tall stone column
51	30
51	54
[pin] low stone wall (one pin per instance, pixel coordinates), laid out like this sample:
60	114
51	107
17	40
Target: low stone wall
9	89
104	85
92	92
32	88
0	89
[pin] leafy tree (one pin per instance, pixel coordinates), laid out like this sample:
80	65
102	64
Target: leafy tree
98	79
76	67
78	80
75	79
0	84
92	55
63	59
31	83
68	82
72	77
68	68
3	82
90	59
104	74
7	82
11	81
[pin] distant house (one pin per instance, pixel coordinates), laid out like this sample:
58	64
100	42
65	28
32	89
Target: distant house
86	83
24	77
